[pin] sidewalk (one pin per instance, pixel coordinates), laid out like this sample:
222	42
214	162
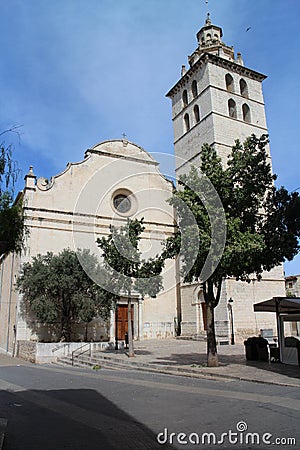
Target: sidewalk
181	356
185	357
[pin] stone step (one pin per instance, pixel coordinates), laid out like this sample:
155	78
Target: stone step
196	337
111	362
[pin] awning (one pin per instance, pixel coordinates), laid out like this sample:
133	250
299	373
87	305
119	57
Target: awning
281	305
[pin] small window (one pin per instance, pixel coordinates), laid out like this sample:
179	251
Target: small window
232	108
243	88
229	83
290	284
184	98
246	113
196	113
122	203
187	122
194	89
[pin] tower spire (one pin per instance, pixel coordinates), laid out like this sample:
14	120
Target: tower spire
207	21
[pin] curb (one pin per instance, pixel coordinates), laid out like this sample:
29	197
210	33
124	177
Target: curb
3	425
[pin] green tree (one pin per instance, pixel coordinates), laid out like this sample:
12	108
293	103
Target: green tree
58	290
127	270
262	222
12	226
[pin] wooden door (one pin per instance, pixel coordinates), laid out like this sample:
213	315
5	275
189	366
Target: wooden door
203	305
122	321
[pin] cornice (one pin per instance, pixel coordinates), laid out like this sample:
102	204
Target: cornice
221	62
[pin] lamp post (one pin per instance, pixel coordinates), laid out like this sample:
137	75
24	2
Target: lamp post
229	306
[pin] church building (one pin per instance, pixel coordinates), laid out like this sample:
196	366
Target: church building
216	101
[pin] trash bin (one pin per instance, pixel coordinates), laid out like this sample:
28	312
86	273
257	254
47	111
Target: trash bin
256	349
251	349
262	349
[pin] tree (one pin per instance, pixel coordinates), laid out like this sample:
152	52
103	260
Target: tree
128	271
262	223
12	226
58	290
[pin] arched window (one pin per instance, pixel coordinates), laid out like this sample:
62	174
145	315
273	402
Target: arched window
187	122
229	83
208	36
194	89
243	88
185	98
232	108
196	113
246	113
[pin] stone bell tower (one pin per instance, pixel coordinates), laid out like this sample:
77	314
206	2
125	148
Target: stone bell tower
216	101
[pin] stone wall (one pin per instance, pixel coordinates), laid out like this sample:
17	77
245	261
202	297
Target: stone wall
27	350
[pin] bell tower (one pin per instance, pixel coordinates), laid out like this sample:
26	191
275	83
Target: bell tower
216	101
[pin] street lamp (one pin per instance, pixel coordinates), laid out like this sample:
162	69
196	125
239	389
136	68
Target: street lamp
230	310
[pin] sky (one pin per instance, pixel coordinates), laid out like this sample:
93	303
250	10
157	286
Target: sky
78	72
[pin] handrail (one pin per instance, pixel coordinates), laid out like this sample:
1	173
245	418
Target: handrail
81	353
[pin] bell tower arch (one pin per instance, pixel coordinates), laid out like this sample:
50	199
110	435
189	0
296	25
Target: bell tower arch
216	101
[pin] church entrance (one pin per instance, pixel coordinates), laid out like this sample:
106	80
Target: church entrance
122	321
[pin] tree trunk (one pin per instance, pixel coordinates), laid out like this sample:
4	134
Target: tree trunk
66	329
211	302
130	337
212	356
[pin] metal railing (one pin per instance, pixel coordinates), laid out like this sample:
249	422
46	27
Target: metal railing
75	353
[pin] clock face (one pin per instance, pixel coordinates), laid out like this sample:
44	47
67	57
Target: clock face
122	203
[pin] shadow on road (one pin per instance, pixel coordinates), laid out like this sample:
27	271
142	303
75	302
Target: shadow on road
73	419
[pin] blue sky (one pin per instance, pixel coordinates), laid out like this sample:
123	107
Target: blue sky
77	72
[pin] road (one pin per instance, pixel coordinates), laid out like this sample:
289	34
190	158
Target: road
51	407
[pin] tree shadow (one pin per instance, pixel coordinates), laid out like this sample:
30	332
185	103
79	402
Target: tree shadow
200	359
74	418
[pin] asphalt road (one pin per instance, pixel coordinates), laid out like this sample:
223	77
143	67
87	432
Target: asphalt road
49	407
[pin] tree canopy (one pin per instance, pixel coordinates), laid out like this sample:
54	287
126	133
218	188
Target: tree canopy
12	226
128	272
262	222
58	290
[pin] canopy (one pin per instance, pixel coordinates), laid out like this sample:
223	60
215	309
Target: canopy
281	305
